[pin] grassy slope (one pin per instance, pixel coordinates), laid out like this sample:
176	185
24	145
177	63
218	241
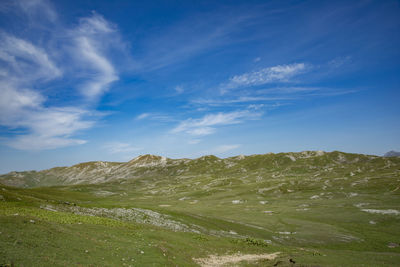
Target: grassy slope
313	214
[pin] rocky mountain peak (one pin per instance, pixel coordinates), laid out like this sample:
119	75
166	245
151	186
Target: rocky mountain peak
148	160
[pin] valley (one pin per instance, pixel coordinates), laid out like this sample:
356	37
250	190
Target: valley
310	208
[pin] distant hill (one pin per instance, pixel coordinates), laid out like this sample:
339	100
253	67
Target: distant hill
155	166
392	154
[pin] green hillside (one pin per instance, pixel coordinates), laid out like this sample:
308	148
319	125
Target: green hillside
312	208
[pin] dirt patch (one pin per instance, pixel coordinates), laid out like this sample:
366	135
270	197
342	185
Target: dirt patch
215	260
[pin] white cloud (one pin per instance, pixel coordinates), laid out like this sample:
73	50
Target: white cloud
95	24
26	69
206	125
279	73
119	147
90	43
13	100
23	108
104	71
44	128
55	122
26	60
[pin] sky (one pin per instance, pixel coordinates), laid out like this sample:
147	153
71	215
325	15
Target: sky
110	80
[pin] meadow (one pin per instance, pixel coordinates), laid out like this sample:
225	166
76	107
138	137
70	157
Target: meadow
290	209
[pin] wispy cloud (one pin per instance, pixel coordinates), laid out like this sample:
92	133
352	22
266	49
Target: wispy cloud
35	9
268	96
279	73
46	128
27	68
143	116
21	107
89	40
23	59
207	124
241	99
120	148
155	117
192	36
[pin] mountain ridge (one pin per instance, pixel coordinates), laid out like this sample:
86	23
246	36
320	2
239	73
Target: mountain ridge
94	172
392	153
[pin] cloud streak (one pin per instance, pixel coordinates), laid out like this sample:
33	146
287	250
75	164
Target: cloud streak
192	36
239	100
275	74
207	124
155	117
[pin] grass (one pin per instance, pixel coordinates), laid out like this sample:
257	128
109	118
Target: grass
309	209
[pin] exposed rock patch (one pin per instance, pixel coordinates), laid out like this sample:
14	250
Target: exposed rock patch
216	260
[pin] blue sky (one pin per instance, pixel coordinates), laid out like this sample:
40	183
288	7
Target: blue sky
110	80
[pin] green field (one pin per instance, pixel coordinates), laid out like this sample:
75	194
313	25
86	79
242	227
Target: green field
290	209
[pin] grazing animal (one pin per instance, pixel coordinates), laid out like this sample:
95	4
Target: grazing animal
292	261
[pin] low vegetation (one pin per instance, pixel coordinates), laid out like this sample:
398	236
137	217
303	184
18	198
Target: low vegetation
306	209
